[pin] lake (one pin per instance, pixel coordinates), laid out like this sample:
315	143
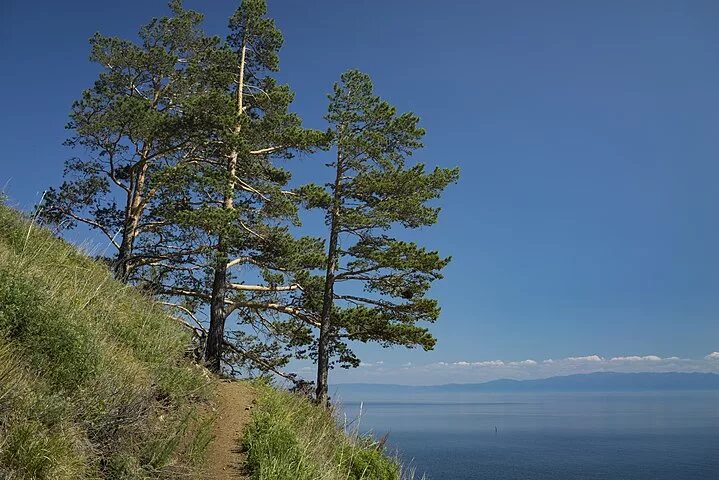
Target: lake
558	436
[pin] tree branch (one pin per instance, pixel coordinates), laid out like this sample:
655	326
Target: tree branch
266	150
93	224
187	312
379	303
263	288
295	312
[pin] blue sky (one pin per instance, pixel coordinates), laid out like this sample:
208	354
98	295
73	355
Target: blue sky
586	221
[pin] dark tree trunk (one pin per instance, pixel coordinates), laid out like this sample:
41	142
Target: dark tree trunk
218	315
218	310
120	267
323	351
323	357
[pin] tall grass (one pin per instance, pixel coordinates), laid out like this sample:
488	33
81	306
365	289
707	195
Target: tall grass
290	438
94	382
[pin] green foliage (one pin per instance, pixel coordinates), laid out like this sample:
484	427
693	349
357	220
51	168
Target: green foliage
228	210
291	438
181	137
375	193
93	379
150	100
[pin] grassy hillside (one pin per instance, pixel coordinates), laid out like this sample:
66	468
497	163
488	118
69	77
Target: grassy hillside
291	438
94	382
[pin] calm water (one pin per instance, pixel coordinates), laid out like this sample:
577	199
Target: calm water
558	436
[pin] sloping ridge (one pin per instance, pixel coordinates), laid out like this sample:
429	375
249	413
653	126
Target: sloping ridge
96	380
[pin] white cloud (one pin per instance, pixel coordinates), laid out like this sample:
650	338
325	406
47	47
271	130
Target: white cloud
469	371
635	358
527	362
588	358
489	363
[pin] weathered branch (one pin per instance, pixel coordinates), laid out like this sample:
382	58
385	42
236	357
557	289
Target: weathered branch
248	188
295	312
252	231
266	150
183	292
263	288
187	312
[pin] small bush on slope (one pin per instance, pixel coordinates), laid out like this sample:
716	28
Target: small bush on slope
93	379
290	438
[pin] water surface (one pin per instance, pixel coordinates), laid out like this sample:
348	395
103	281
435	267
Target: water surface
558	436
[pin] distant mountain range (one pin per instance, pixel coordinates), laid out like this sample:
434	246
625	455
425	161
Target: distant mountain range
590	382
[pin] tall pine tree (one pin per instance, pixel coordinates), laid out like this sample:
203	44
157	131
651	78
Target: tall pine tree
225	213
149	103
373	194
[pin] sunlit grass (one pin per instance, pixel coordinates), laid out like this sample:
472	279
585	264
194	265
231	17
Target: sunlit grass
290	438
94	380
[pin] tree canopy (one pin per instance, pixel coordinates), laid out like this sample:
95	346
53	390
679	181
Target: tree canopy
184	139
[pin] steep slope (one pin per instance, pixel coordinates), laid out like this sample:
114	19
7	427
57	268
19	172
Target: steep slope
94	377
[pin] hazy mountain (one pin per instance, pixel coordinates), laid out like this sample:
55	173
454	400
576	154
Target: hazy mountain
590	382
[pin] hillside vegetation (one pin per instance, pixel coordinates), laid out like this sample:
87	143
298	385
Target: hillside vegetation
291	438
94	382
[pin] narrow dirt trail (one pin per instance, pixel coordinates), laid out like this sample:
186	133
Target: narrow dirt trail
234	403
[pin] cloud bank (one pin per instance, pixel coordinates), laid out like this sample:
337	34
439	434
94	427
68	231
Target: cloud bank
468	371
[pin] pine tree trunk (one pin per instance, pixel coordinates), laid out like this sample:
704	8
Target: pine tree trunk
323	360
133	211
323	354
120	265
218	314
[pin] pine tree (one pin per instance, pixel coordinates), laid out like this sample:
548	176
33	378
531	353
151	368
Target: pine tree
147	105
225	212
373	194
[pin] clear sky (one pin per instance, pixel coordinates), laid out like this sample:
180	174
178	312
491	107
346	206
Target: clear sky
586	221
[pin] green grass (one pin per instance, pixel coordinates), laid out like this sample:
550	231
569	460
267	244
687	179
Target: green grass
290	438
94	378
96	383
